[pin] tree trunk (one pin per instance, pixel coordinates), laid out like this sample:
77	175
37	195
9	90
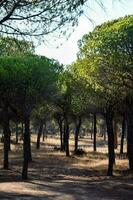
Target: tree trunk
122	136
22	133
6	132
77	129
26	148
67	138
111	153
39	134
104	136
92	129
61	134
44	131
130	138
115	135
64	137
16	132
9	139
104	130
29	145
95	131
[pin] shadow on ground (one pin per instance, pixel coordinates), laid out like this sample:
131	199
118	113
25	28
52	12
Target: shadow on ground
52	176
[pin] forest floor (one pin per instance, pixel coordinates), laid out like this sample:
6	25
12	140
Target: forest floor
52	176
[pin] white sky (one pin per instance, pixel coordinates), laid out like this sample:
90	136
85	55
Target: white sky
66	53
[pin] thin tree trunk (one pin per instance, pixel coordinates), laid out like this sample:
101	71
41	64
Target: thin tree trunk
67	138
61	134
130	138
64	137
39	134
111	153
104	136
77	129
122	136
9	139
16	132
115	135
6	136
104	130
92	129
29	145
95	131
22	134
44	131
26	148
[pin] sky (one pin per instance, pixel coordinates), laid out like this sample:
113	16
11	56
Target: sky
67	52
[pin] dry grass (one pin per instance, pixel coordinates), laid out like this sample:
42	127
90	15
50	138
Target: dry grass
54	176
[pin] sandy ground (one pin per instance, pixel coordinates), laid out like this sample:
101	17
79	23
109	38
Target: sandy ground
52	176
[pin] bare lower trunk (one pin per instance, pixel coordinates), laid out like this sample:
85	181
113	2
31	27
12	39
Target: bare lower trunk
16	132
61	135
122	136
92	129
111	153
67	138
77	129
44	131
26	148
22	132
130	138
95	132
64	136
115	135
39	134
6	132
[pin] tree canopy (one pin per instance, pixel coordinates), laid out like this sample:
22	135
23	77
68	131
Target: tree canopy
10	46
38	17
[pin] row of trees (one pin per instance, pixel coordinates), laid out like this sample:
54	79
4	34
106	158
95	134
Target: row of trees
34	88
105	62
26	81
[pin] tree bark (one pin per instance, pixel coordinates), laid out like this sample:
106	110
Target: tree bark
22	133
44	131
122	136
16	132
130	138
29	145
95	131
61	134
6	132
67	138
92	129
64	137
77	129
39	134
111	153
26	148
115	135
9	139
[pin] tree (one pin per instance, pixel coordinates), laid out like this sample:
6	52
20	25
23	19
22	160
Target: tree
59	119
26	81
63	103
109	51
38	17
10	46
40	114
83	94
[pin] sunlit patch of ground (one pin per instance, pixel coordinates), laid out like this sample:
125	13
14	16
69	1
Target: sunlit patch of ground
52	176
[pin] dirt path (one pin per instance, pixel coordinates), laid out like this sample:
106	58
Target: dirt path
52	176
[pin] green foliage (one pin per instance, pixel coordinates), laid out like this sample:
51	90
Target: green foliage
106	55
39	18
27	80
12	47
